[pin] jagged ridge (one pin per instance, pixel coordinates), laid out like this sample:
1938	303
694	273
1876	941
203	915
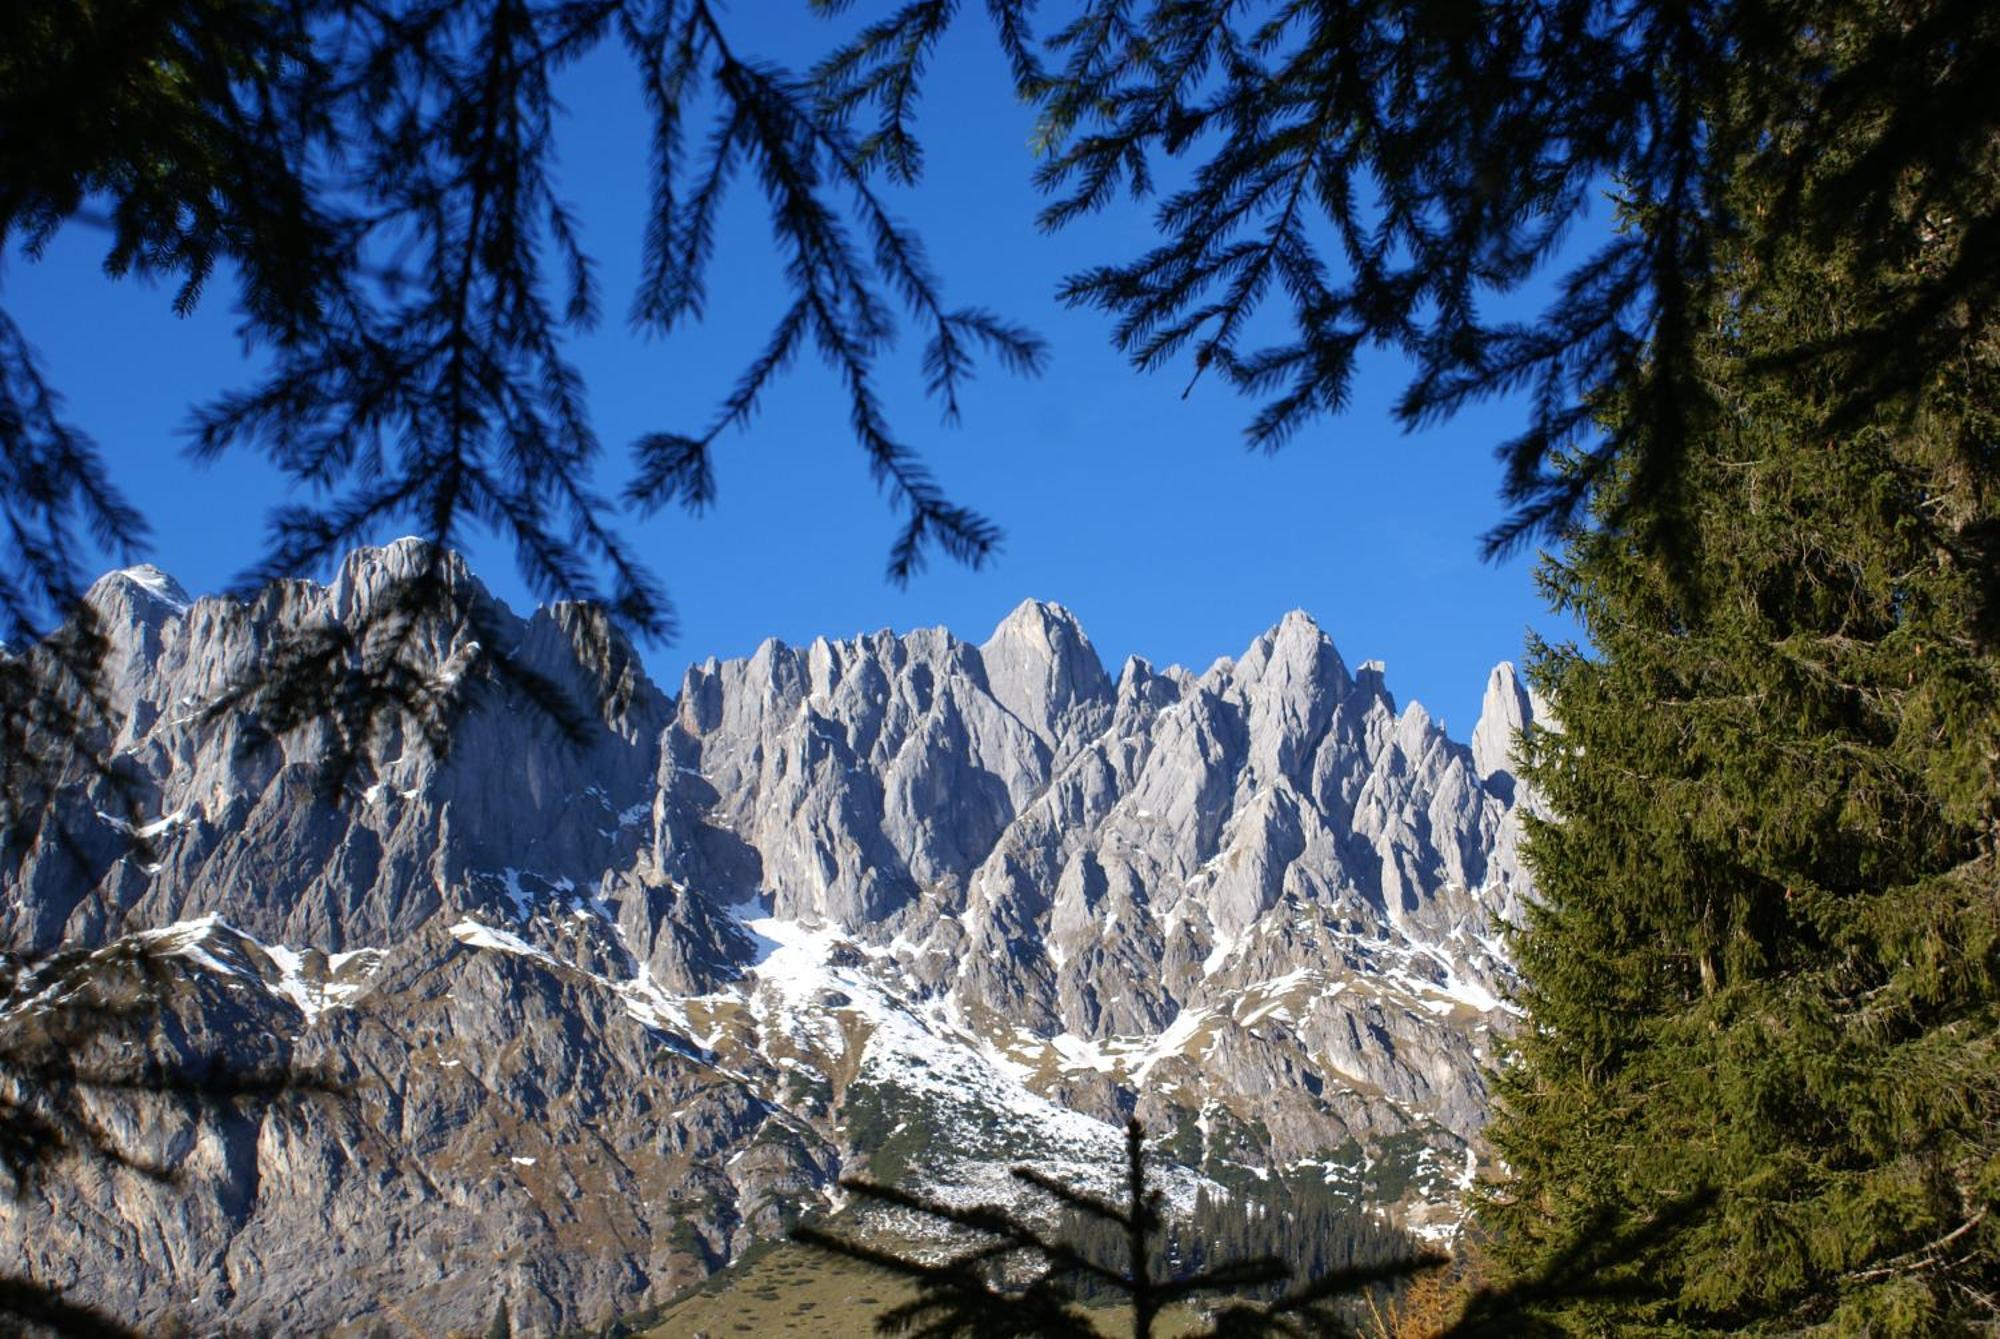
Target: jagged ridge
686	964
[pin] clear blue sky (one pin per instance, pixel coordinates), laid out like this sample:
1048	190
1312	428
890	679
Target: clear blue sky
1137	509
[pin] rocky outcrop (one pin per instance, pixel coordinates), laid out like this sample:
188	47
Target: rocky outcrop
609	1001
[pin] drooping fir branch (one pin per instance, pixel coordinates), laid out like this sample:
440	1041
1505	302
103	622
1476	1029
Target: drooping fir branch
56	497
379	179
999	1272
1381	172
776	126
438	398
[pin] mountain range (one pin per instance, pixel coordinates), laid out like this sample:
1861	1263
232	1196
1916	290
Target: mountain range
600	1007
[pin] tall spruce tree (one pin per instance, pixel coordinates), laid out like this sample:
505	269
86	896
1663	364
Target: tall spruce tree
1766	968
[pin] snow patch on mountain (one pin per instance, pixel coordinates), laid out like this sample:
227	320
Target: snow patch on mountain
215	945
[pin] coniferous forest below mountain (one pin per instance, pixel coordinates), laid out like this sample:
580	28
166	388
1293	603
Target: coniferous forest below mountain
380	959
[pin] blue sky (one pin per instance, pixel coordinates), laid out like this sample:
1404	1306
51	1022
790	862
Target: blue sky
1136	508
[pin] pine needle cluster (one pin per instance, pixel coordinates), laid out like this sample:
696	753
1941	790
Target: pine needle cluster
1002	1274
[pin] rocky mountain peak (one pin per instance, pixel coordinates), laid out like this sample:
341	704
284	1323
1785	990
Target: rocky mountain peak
1294	651
1042	668
1292	679
143	588
1372	677
404	556
1505	711
1042	621
368	573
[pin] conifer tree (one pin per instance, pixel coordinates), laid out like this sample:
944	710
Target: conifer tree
1766	967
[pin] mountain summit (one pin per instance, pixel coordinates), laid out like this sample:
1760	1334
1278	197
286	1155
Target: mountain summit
611	1008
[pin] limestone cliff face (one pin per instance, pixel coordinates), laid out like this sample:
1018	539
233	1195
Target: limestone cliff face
611	1006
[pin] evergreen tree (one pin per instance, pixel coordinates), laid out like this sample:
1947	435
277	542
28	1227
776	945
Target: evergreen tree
1765	973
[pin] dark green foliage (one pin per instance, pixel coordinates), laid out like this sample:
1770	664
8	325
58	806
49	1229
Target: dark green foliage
1393	1176
1767	967
502	1324
1220	1154
1293	1266
890	1126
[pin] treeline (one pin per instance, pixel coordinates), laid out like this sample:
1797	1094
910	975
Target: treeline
1312	1228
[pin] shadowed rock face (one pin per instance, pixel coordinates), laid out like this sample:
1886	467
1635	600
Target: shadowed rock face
606	1008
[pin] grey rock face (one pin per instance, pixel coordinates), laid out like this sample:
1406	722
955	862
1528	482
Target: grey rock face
1041	667
614	1005
1505	712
